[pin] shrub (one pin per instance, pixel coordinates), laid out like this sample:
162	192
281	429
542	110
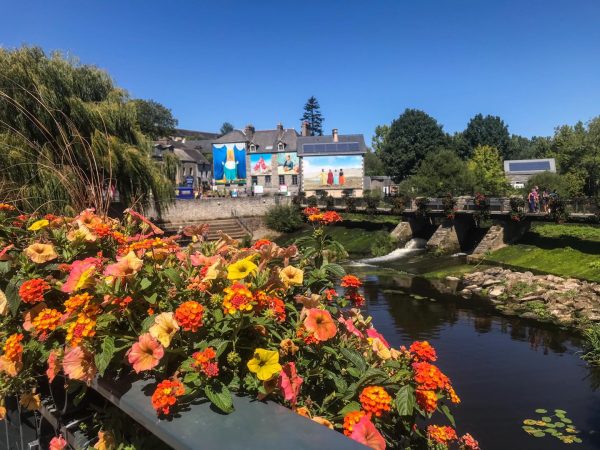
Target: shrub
329	203
350	204
517	208
449	205
382	244
284	219
372	200
422	205
311	201
399	203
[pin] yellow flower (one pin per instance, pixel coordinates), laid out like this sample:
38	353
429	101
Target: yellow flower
41	253
106	441
164	328
291	276
3	304
213	272
38	225
265	364
241	269
31	401
81	234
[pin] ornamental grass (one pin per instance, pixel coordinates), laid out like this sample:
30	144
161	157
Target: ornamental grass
119	299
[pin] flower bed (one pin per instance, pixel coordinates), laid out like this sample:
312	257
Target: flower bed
87	297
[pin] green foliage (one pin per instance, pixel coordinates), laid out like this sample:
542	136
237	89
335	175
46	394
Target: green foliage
154	119
488	131
547	180
441	172
350	204
284	219
383	243
372	200
487	170
556	425
312	201
422	205
411	137
592	345
226	128
373	165
312	115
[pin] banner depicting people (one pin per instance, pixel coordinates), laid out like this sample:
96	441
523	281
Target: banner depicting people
288	164
332	172
229	163
260	164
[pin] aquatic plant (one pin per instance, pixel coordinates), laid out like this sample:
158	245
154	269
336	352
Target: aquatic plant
592	345
556	425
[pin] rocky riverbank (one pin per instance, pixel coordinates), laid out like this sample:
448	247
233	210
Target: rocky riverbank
547	298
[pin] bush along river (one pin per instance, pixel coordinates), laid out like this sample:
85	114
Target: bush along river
522	383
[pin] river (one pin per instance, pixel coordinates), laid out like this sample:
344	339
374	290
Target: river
503	368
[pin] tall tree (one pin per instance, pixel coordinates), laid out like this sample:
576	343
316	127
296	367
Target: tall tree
488	171
488	130
226	128
312	115
440	173
154	119
411	137
381	132
373	165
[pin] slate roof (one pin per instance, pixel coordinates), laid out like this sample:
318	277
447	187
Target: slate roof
328	139
182	151
202	134
265	140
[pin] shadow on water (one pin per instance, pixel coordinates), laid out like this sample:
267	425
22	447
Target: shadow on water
502	367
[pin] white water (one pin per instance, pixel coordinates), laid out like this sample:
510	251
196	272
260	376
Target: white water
415	245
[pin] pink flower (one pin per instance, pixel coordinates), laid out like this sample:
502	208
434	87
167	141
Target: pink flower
146	353
4	251
290	382
78	364
373	333
198	259
350	327
320	323
54	364
58	443
125	266
366	433
81	275
144	220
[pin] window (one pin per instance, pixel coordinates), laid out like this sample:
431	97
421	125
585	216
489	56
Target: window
191	170
254	181
280	146
268	180
294	180
252	147
281	179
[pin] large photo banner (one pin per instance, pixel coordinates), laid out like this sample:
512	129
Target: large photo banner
288	164
229	163
332	172
261	164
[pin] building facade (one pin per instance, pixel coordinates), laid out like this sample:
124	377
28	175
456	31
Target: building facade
519	171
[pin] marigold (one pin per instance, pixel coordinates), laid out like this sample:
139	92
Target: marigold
205	362
237	298
32	291
375	400
429	377
82	328
427	400
41	253
46	321
423	351
351	281
441	434
351	419
165	395
189	315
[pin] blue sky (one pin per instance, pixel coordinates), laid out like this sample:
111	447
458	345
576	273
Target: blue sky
533	62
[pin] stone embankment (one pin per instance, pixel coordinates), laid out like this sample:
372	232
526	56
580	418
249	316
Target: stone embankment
548	298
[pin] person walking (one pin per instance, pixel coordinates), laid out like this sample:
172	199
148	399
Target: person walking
531	200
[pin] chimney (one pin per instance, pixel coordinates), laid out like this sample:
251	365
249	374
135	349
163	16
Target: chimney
305	128
334	132
280	126
249	131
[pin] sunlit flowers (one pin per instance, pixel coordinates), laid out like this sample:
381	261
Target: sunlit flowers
3	303
241	269
126	266
189	315
320	323
78	303
429	377
166	394
265	364
164	328
366	433
291	276
375	400
467	442
290	382
38	225
427	400
32	291
11	360
81	275
351	419
41	253
54	364
350	281
145	354
106	441
423	351
46	321
237	298
83	327
441	435
205	361
78	364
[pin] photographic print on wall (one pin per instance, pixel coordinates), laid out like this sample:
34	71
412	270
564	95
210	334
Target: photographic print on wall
288	163
332	172
261	164
229	163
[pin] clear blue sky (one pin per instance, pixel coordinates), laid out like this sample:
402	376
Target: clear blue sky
535	63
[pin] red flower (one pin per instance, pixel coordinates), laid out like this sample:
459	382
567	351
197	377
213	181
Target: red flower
205	361
290	382
467	442
429	377
165	395
32	291
350	281
366	433
442	435
189	315
423	351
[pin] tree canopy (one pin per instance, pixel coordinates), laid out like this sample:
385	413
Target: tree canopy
66	131
411	137
441	172
488	171
488	130
154	119
312	115
226	128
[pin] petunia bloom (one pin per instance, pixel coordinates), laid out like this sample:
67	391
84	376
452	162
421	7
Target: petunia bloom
3	303
290	382
57	443
146	353
264	364
320	323
41	253
126	266
81	275
241	269
366	433
78	364
106	441
373	333
164	328
291	276
54	364
38	225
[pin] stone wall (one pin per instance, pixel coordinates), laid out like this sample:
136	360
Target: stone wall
219	208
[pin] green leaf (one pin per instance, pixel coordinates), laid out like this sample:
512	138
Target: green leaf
221	348
541	411
353	371
172	274
448	414
104	357
147	323
220	396
12	295
405	400
559	425
145	284
218	315
80	395
559	412
352	406
355	358
151	298
565	420
334	269
546	419
4	267
190	377
538	434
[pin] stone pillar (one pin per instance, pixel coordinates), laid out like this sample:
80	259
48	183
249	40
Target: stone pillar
444	240
500	234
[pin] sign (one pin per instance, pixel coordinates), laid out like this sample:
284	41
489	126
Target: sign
185	193
189	181
258	189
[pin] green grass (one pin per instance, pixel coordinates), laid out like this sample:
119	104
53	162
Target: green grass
453	271
565	250
372	218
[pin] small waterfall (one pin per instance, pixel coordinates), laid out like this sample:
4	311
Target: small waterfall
413	246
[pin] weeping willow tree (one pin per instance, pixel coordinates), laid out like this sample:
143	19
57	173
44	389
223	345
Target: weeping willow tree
68	134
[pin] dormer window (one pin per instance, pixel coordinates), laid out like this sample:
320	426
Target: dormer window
280	147
252	148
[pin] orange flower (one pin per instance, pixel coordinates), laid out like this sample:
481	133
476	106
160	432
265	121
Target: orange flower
427	400
330	217
311	211
145	354
352	419
323	421
237	298
78	303
204	361
375	400
453	397
7	207
422	351
467	442
274	306
78	364
46	321
165	395
11	360
125	267
258	244
189	315
442	435
320	323
41	253
32	291
106	441
307	336
350	281
82	328
366	433
54	364
429	377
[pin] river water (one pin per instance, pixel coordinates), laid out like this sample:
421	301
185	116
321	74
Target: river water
502	368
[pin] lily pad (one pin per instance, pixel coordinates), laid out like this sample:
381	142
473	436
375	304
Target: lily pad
529	422
559	412
559	425
541	411
546	419
565	420
538	434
